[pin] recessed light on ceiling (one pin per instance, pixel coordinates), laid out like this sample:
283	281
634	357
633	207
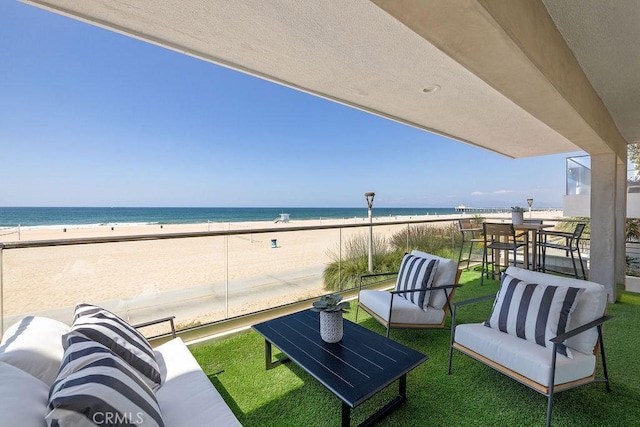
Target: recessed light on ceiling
431	89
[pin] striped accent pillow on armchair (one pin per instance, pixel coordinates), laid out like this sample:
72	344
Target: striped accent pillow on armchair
416	273
534	312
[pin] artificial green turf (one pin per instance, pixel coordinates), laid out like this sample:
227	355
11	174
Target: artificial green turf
474	395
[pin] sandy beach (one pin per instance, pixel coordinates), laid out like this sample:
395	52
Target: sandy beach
199	279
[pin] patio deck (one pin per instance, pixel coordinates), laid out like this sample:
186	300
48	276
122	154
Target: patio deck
472	395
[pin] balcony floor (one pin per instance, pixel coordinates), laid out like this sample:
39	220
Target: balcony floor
473	395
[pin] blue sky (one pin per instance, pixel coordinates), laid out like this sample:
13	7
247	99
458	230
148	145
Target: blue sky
93	118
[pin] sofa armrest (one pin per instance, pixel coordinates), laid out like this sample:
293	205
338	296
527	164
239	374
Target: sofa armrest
580	329
157	321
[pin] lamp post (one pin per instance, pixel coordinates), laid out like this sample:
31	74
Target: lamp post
529	202
369	197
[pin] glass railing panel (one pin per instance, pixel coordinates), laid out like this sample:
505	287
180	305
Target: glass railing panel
201	279
138	280
578	179
276	268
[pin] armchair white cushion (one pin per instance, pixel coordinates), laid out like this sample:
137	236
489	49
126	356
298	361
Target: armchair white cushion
404	311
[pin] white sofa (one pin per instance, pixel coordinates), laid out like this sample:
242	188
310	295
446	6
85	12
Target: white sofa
513	350
31	353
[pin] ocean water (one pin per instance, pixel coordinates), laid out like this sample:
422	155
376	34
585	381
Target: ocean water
68	216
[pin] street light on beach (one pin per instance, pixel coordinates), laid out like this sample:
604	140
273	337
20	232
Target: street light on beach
369	197
529	202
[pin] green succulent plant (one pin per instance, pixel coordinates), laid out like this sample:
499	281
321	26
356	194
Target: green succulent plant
517	209
331	303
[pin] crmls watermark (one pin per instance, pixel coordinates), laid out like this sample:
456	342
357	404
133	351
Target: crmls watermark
111	418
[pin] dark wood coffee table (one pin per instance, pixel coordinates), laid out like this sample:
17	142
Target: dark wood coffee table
354	369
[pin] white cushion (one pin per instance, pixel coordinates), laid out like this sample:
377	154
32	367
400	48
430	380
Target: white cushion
104	327
34	344
187	397
416	273
96	387
403	311
534	312
23	398
446	275
526	358
591	304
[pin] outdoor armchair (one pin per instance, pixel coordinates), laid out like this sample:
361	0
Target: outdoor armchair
421	298
569	242
543	331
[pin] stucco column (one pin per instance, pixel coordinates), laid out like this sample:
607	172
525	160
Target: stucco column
621	220
605	205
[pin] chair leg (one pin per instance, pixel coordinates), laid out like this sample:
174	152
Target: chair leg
604	359
461	248
549	408
573	262
484	263
552	379
469	255
453	334
357	309
584	275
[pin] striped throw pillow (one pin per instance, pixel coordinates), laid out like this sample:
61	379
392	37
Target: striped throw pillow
416	273
534	312
123	339
96	388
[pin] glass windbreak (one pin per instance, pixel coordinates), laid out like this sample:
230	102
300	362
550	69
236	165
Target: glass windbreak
578	176
203	279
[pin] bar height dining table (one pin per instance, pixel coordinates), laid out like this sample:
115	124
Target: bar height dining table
531	231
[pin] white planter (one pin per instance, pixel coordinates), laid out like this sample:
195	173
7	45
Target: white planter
632	284
331	326
517	217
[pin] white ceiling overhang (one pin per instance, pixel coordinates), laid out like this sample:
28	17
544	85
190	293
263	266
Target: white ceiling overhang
379	58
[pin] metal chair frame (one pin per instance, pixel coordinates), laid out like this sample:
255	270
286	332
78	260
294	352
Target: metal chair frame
571	245
550	390
449	290
471	234
497	237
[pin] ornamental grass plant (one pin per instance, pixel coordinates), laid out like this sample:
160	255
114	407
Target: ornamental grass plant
345	269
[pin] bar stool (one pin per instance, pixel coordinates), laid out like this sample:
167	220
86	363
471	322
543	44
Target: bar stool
471	234
569	243
498	237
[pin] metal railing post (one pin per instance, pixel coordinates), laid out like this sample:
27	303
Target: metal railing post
226	276
340	258
408	231
1	293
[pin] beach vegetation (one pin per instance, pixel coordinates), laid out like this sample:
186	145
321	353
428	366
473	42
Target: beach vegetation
439	239
343	272
568	224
